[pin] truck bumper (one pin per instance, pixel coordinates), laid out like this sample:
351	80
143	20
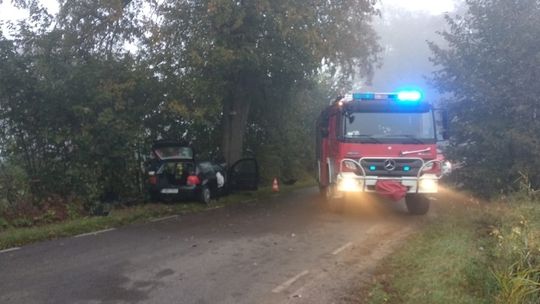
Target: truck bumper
350	182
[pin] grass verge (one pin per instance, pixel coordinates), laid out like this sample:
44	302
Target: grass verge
13	237
469	253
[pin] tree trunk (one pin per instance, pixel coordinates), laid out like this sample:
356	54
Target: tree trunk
234	121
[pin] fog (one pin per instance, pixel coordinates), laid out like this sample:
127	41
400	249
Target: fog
405	59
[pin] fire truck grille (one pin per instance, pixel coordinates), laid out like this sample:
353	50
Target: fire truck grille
397	167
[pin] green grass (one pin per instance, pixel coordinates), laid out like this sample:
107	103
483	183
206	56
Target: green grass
467	254
13	237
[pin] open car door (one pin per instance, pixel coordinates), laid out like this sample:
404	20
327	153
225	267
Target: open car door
244	175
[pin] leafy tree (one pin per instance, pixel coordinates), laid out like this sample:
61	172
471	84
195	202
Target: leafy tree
73	102
283	138
79	107
232	57
491	68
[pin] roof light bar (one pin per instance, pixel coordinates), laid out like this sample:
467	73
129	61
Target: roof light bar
412	96
363	96
401	96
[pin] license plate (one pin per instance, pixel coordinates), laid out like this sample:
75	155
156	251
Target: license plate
169	191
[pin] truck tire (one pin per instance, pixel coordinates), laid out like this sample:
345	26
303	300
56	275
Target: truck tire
322	191
417	204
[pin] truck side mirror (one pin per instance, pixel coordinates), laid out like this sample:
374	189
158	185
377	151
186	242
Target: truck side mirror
324	132
445	135
445	125
442	117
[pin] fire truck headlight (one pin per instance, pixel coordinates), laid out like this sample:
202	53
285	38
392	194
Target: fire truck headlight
350	165
349	184
428	185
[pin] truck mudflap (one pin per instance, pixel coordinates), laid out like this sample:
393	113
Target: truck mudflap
360	181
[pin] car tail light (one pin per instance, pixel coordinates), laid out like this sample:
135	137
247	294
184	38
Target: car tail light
152	180
193	180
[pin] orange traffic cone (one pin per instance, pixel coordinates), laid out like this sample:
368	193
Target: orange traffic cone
275	185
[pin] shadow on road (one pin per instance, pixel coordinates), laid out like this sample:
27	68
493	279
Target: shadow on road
365	206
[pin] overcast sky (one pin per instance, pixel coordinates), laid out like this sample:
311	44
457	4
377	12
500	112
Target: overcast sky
8	12
401	65
404	28
434	7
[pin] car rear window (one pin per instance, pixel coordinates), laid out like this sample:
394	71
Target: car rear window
174	153
206	167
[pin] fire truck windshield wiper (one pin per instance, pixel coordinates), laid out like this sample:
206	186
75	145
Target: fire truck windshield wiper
411	137
366	137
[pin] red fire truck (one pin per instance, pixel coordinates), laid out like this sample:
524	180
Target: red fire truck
384	143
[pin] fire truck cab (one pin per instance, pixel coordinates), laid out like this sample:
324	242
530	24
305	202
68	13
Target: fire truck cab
384	143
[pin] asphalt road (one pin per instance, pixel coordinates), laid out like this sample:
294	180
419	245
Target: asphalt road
287	249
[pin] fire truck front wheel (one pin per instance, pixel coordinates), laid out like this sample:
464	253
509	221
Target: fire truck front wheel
333	200
322	191
417	204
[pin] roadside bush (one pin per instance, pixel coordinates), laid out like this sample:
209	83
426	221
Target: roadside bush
19	209
515	257
3	223
489	70
518	268
14	185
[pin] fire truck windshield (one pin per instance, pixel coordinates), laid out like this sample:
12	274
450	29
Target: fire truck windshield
388	127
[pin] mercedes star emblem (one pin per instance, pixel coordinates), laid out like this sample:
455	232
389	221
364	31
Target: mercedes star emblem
390	164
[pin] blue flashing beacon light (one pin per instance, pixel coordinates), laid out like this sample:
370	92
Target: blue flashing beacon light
364	96
372	168
409	96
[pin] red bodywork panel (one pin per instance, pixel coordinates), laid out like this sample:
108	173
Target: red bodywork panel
358	150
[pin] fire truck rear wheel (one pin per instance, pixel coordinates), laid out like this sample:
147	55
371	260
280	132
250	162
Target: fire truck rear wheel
417	204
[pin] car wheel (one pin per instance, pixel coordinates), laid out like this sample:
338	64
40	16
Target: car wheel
205	195
417	204
154	196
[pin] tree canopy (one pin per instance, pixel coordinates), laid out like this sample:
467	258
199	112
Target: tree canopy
490	69
83	93
236	57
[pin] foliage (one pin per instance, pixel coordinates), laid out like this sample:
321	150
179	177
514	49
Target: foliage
494	250
283	138
72	108
85	92
490	70
516	257
238	59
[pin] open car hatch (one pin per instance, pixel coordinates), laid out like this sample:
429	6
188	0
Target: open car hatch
170	150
